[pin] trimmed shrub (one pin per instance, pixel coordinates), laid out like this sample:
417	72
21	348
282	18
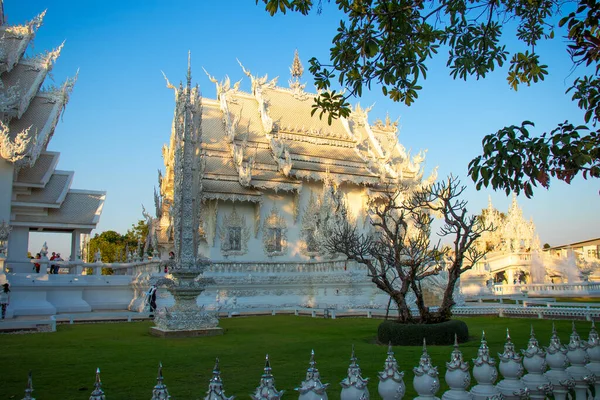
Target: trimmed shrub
412	334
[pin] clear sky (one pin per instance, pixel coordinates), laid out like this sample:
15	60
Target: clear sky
120	112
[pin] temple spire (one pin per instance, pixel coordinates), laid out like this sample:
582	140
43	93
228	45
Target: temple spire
296	69
189	70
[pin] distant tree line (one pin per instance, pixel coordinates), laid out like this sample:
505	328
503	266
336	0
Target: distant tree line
113	246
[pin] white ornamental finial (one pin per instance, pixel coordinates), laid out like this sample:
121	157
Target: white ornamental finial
391	385
354	386
160	391
426	381
29	388
266	390
97	394
311	387
215	386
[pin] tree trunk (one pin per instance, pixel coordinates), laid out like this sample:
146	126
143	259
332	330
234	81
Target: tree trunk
404	314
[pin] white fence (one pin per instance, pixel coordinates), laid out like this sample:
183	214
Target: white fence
572	372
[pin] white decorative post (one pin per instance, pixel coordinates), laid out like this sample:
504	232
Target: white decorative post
391	384
29	388
97	393
354	386
215	386
426	381
556	358
511	387
457	376
311	388
593	351
266	390
578	357
160	391
535	363
485	373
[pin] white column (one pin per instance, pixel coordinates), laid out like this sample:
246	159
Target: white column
18	243
75	245
6	180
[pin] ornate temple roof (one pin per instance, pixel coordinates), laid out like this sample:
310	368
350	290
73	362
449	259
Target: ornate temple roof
41	195
268	140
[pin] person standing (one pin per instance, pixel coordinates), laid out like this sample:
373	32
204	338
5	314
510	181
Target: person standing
37	265
4	298
57	266
51	263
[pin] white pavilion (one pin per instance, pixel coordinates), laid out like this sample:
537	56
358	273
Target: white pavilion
35	196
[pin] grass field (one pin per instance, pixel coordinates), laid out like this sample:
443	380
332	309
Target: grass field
64	362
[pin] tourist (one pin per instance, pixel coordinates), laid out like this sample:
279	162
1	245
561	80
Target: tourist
151	299
37	265
4	298
51	269
57	266
171	260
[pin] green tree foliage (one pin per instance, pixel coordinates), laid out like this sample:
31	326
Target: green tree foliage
388	43
112	244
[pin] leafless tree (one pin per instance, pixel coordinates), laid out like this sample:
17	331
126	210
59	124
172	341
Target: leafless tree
398	252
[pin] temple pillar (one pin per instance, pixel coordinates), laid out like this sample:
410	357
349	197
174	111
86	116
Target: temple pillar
6	179
76	245
18	243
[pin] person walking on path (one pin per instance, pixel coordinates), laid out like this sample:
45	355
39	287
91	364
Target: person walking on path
4	298
151	299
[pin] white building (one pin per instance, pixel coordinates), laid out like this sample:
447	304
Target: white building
265	169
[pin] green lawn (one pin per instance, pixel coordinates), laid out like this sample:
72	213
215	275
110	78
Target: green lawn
64	362
586	299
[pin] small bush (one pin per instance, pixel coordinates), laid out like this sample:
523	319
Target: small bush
412	334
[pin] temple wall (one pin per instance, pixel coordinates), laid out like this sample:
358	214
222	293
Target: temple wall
285	204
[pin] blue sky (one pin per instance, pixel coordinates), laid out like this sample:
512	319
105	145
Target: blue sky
120	112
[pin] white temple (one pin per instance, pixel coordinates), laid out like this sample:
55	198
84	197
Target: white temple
34	195
265	169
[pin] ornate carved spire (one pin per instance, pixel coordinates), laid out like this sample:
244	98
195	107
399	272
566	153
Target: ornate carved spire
296	70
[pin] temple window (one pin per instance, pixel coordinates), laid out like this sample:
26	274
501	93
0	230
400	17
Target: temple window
275	234
234	234
235	238
274	240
